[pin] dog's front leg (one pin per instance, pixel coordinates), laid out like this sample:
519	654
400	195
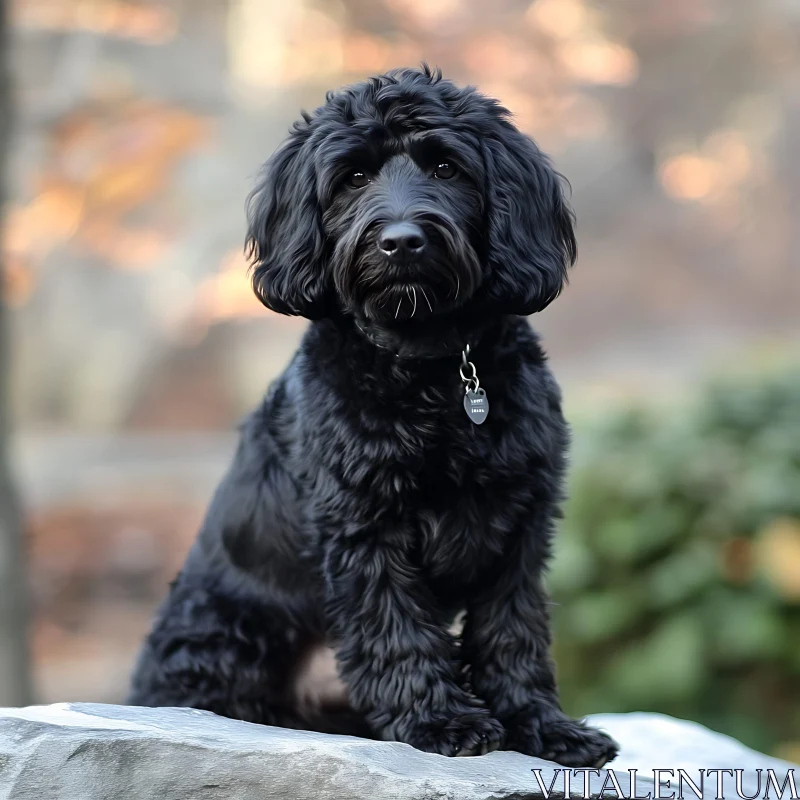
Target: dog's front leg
398	661
507	645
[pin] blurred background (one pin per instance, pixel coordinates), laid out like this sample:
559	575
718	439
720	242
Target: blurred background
131	133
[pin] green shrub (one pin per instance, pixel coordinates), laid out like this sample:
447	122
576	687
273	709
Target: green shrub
677	570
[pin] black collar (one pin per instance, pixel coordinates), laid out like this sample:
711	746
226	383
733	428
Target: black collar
425	341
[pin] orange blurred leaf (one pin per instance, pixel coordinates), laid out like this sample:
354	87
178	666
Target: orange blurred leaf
779	556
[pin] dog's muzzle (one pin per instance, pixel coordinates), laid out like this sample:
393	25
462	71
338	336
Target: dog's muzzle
408	268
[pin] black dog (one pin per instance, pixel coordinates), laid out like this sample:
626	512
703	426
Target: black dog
365	509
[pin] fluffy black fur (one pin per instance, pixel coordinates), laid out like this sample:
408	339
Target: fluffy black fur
363	509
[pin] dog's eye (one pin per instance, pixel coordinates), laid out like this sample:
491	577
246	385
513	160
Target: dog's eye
357	180
444	171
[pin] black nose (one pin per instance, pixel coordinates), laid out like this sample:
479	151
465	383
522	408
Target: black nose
402	239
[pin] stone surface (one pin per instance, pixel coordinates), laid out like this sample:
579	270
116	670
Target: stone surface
94	752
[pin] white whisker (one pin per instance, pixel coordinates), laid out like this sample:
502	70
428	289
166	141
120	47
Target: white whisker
398	307
413	289
458	286
425	295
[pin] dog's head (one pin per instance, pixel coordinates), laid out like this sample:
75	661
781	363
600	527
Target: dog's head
405	197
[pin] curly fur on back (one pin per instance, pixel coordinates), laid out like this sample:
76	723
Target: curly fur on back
363	510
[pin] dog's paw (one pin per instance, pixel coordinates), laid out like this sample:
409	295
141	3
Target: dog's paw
566	741
471	734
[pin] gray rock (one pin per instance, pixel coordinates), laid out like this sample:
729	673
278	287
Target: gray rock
103	752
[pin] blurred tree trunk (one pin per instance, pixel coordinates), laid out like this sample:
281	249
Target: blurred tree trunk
15	688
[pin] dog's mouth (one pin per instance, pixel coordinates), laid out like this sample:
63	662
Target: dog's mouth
412	299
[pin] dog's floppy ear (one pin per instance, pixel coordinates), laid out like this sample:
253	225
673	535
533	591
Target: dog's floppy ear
530	224
285	242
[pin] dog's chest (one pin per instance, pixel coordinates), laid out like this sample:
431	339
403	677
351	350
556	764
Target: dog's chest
406	458
456	548
460	515
416	442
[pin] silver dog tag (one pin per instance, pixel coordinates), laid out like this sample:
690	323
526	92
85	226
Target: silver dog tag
476	404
